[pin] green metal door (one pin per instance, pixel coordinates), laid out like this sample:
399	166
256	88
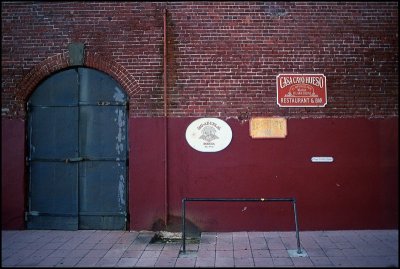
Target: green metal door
77	136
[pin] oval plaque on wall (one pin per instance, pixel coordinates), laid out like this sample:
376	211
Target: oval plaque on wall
208	134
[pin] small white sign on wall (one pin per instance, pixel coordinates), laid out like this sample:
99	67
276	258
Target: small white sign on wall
208	134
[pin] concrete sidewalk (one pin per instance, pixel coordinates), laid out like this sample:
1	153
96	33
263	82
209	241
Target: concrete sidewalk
95	248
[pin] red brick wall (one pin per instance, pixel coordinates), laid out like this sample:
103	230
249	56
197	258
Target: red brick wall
223	57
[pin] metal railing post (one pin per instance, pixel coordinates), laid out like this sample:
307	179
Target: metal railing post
183	226
297	226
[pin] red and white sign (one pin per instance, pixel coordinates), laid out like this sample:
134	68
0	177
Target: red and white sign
301	90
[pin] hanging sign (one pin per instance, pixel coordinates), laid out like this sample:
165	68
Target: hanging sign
208	134
301	90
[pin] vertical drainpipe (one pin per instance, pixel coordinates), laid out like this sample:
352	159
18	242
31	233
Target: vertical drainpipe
165	124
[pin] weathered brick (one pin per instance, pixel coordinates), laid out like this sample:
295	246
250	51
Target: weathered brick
225	54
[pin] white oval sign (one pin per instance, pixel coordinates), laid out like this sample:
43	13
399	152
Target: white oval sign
208	134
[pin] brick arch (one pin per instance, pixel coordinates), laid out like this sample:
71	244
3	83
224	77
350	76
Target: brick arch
61	61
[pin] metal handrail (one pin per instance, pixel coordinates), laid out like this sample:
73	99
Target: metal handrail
184	200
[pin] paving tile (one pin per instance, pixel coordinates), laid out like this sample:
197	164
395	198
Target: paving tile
122	246
241	246
5	253
191	247
151	254
224	246
308	239
42	253
132	254
126	262
279	253
106	246
146	262
302	262
206	254
205	262
88	262
34	246
165	262
342	245
137	246
96	253
242	253
185	262
207	246
128	237
334	252
340	261
253	234
154	246
60	253
24	253
61	239
263	262
321	261
69	245
67	262
351	252
338	238
52	245
261	253
114	253
86	246
259	245
30	261
17	245
11	261
276	245
224	262
173	253
289	242
224	254
172	246
244	262
269	235
282	262
49	262
315	252
107	262
78	253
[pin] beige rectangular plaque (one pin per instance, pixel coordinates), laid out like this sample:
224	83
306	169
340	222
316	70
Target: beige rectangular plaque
262	127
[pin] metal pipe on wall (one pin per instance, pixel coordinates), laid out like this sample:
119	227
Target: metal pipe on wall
165	124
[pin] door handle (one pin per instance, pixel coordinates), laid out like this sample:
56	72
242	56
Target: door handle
72	160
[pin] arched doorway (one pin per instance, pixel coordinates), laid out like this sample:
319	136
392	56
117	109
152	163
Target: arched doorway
77	138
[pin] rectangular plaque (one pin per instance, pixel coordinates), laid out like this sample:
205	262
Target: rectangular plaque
261	127
301	90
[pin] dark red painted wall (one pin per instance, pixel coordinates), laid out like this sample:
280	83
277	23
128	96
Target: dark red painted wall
12	174
359	190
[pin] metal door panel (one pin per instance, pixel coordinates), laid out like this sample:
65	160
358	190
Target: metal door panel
55	133
61	89
102	192
103	132
54	197
99	88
